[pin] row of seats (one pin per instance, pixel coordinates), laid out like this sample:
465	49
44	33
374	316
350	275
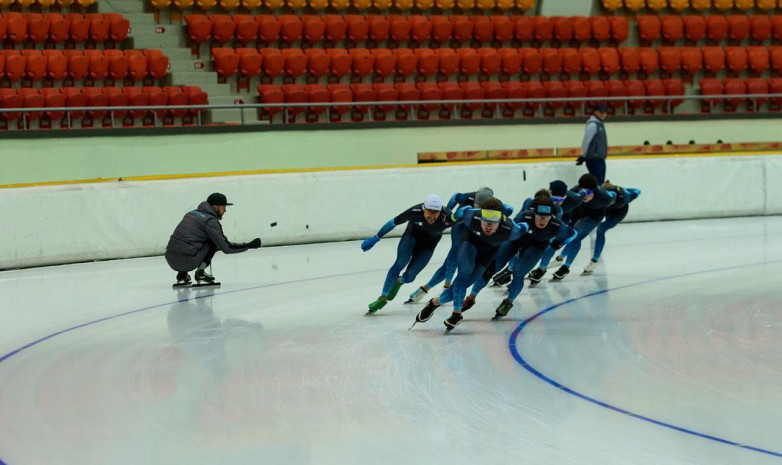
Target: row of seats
384	92
419	29
75	65
44	4
99	97
715	28
60	28
698	5
403	62
735	86
341	5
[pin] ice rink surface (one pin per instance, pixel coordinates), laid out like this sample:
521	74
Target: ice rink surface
671	353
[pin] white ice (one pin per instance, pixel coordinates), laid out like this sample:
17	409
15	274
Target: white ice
671	353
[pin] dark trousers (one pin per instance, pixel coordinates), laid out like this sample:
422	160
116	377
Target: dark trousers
179	262
597	168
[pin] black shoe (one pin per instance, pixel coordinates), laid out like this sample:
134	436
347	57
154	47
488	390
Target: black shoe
453	321
467	304
202	276
426	312
503	309
182	279
503	277
536	275
561	272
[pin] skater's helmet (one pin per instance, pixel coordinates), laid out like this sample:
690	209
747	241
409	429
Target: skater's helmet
558	188
433	202
483	194
217	199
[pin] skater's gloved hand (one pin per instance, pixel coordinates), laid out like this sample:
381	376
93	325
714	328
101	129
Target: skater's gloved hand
555	245
255	243
580	160
488	273
369	242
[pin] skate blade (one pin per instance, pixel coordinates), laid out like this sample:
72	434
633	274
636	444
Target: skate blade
206	285
410	301
177	286
498	317
411	326
586	273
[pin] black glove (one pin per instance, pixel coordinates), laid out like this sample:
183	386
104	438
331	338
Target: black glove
555	245
254	244
580	160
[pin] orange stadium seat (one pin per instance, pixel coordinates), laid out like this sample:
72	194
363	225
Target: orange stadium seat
503	28
775	52
710	86
318	62
656	5
745	5
674	87
609	60
420	28
701	5
203	5
510	61
760	27
427	61
118	27
552	60
229	5
723	5
525	5
362	5
381	4
738	27
563	28
379	28
402	5
531	61
482	29
543	28
290	28
246	29
385	62
505	5
670	59
118	64
648	28
363	63
601	28
634	5
679	5
620	28
616	88
716	28
442	29
612	5
766	5
571	60
424	5
694	27
199	28
444	5
272	62
250	5
406	62
226	62
223	29
447	61
399	28
295	62
758	59
469	61
465	5
713	59
341	62
736	59
59	28
757	86
734	86
317	5
99	28
582	29
523	28
692	60
268	28
295	4
336	27
631	60
590	60
37	27
462	28
672	27
485	4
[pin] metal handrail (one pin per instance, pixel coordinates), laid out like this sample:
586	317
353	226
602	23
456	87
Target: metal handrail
413	103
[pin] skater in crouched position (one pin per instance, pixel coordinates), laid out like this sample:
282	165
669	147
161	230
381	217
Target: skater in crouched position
197	238
544	230
614	215
486	229
425	225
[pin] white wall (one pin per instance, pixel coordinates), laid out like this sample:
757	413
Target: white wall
60	224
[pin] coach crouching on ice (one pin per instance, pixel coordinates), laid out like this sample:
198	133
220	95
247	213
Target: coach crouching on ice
197	238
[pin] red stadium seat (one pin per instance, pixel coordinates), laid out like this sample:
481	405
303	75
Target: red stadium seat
673	87
56	65
775	52
428	91
513	90
571	60
295	62
118	64
399	30
775	87
294	93
552	61
157	64
420	28
35	67
502	27
116	98
482	29
736	59
15	65
710	86
175	96
713	59
601	28
595	89
95	98
119	26
9	98
385	62
535	90
776	27
226	62
648	28
609	60
363	62
692	60
313	28
337	28
37	27
510	61
462	28
672	28
246	29
756	86
758	59
620	29
543	28
490	61
650	60
616	88
451	91
341	62
384	93
318	62
562	29
339	93
99	65
531	61
734	86
137	65
406	92
442	29
272	63
427	61
523	28
16	29
576	90
223	29
670	59
250	63
654	88
316	93
379	28
362	93
99	28
270	94
738	27
635	88
694	28
356	28
199	30
590	60
716	28
31	98
582	29
291	28
268	29
631	61
135	98
156	98
406	62
554	90
469	61
492	90
760	28
471	90
59	28
52	98
447	61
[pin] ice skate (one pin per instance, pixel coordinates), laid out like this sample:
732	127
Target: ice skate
394	290
204	279
468	303
561	273
182	280
502	278
452	322
536	275
426	312
503	309
377	305
416	296
590	267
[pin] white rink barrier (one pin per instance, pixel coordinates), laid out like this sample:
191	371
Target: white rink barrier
82	222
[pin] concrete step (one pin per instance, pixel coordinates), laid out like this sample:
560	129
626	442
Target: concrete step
183	54
194	78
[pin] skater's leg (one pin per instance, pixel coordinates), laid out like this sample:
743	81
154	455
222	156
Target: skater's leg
583	227
528	257
404	252
421	257
548	254
608	223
